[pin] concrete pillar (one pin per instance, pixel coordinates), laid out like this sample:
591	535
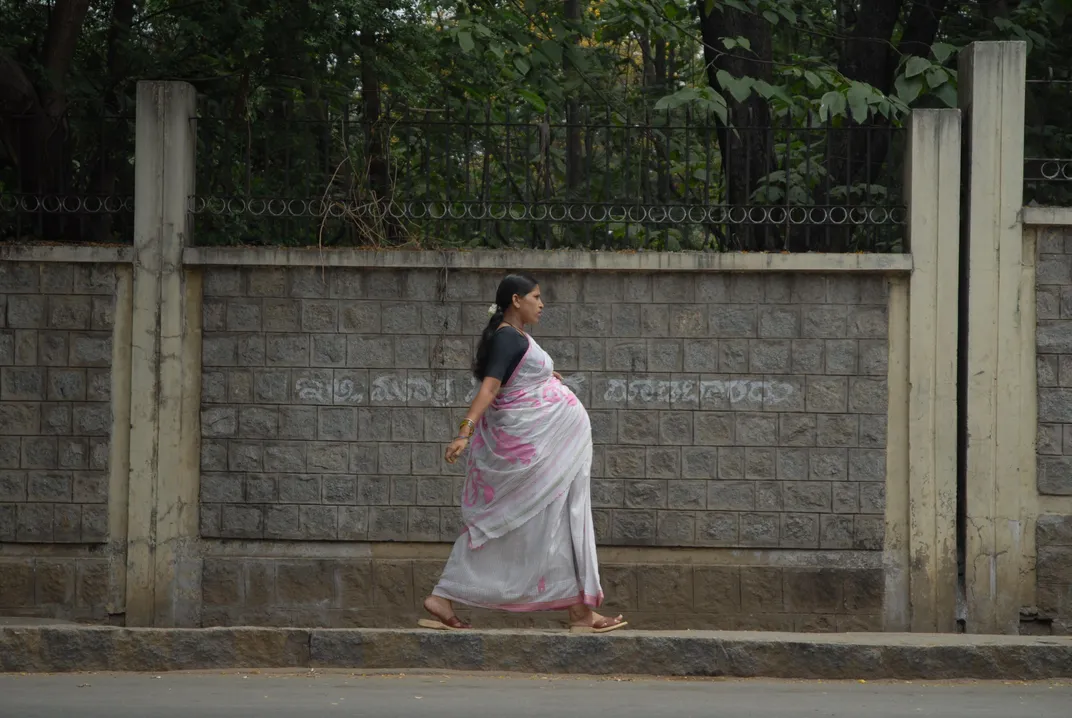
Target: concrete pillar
999	354
921	539
163	567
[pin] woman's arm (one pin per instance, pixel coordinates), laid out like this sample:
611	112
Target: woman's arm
489	389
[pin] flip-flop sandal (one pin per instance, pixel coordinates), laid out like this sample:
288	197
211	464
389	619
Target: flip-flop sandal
604	626
451	624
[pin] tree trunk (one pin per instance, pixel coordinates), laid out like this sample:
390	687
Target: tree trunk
746	143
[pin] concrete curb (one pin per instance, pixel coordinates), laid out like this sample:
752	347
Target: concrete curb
701	653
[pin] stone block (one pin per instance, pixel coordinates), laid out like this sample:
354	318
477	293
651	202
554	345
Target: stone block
281	315
219	421
813	590
27	311
308	282
328	350
299	489
824	321
353	523
663	463
388	523
285	457
49	486
631	527
221	488
868	395
327	457
837	430
319	315
209	521
26	349
645	494
373	490
863	591
340	489
305	583
55	420
792	464
800	530
260	489
34	523
731	464
1051	530
69	312
836	531
424	523
7	342
675	288
16	575
19	278
867	322
22	383
827	394
869	533
873	431
769	356
756	429
874	357
779	322
221	582
290	350
297	422
760	529
760	463
717	589
845	497
666	588
319	523
797	429
54	582
873	498
731	495
769	496
716	528
654	320
731	321
245	456
91	350
242	521
336	424
370	351
676	528
258	422
282	522
762	589
66	523
713	428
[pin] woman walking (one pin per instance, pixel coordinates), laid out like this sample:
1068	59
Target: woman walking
529	541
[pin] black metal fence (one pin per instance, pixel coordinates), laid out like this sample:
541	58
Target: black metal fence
473	176
67	179
468	175
1048	142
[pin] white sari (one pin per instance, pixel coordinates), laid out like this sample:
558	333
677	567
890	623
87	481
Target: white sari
529	541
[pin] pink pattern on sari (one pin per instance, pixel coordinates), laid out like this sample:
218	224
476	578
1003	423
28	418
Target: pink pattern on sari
512	448
555	391
474	487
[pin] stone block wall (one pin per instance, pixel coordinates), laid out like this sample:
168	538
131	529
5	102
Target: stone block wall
1053	343
61	587
1053	539
381	593
56	323
728	410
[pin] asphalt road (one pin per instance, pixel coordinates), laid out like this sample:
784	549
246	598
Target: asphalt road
281	694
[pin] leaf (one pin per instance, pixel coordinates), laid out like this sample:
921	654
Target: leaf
857	99
916	66
947	94
552	51
942	51
936	77
740	88
770	16
907	89
523	66
832	105
535	100
465	40
813	80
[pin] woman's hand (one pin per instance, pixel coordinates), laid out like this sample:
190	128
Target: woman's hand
456	448
556	375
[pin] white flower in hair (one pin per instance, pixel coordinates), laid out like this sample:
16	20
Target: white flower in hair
492	309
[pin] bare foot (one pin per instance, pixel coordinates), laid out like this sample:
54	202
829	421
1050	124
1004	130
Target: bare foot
443	611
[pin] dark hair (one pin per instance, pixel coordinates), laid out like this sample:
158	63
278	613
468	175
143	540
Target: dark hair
517	283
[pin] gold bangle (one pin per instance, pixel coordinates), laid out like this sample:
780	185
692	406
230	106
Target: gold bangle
469	423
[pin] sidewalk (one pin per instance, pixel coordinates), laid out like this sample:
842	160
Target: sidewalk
872	656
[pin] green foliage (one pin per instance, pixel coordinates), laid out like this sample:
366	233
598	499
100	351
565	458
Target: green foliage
377	103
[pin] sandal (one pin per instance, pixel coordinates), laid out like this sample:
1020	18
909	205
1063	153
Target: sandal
603	625
442	624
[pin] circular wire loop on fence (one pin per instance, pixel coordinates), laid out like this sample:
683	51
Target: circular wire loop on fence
466	210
